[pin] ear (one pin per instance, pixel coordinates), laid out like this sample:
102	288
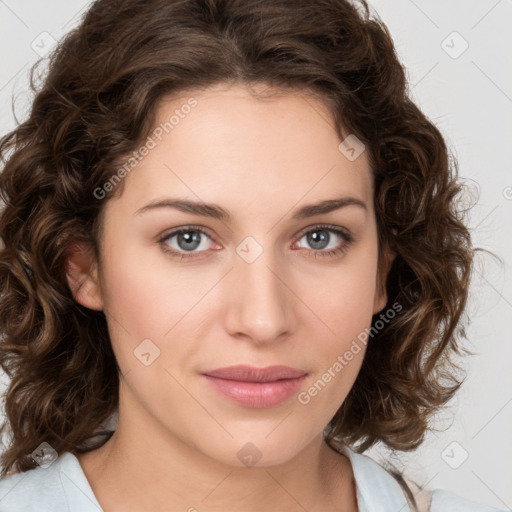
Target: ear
381	295
82	276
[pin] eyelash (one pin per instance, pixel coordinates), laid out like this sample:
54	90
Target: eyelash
331	253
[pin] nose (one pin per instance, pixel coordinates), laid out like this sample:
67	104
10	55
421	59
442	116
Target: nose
261	302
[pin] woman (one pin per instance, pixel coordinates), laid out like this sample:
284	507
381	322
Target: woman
227	226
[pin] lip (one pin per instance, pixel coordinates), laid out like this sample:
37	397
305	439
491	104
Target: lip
247	373
256	387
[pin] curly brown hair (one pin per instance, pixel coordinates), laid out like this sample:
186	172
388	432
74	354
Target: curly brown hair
94	108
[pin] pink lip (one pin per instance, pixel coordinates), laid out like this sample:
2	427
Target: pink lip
257	387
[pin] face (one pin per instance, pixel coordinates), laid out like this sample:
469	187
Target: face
188	291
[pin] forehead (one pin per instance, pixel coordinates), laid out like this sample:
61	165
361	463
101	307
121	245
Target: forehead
224	145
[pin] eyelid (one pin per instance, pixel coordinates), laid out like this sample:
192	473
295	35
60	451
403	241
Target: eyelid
347	233
186	227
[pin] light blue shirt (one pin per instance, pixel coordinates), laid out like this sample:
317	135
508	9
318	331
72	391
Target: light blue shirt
63	487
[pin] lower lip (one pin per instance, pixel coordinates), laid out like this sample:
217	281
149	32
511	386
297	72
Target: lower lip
257	394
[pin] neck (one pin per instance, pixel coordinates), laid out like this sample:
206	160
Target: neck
134	471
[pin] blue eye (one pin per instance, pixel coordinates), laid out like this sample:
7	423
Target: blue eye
320	237
188	239
191	241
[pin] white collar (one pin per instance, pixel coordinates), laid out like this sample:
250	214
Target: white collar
377	489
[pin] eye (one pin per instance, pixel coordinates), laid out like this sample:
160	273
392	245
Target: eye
189	239
324	244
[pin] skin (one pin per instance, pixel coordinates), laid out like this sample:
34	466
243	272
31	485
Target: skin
177	439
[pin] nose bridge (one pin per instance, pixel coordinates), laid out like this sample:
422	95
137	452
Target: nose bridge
261	304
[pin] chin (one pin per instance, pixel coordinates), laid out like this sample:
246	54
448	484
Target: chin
257	451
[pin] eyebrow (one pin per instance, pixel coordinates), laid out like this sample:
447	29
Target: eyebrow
217	212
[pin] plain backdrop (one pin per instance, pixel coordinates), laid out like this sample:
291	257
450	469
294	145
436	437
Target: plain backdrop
457	55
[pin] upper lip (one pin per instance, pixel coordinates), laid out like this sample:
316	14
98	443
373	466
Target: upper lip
247	373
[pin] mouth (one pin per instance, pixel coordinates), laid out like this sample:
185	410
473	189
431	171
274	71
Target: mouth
256	387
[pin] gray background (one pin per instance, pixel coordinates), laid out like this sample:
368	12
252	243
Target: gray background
467	92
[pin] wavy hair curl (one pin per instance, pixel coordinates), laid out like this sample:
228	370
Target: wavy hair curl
97	104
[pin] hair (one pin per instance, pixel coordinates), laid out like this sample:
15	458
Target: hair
96	106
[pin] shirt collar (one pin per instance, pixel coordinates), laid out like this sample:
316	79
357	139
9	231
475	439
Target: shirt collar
377	490
78	492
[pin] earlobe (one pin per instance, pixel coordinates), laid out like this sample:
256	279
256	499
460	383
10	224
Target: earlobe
82	276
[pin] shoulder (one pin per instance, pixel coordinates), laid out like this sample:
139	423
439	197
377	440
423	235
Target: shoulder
60	487
442	500
377	486
30	489
377	489
447	501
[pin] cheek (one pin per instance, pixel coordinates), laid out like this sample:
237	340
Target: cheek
346	309
146	293
344	298
147	297
343	301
